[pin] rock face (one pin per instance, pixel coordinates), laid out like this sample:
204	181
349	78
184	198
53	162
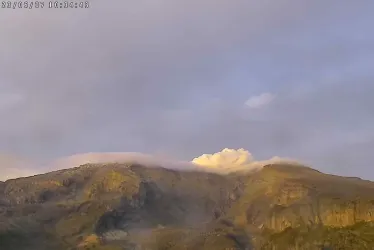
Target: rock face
119	206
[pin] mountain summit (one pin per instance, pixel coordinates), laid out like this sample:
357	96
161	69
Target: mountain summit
132	206
223	162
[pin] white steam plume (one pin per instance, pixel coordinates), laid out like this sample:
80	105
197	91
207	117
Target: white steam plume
232	160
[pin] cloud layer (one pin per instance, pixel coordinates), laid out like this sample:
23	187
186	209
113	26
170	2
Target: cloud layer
119	157
173	77
11	167
224	162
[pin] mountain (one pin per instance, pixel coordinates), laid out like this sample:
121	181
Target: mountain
131	206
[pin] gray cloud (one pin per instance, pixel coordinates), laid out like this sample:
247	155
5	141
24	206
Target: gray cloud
172	76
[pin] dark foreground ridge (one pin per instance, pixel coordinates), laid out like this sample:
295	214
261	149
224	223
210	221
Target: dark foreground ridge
119	206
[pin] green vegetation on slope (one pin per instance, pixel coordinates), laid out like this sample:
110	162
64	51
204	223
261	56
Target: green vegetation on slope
358	236
119	206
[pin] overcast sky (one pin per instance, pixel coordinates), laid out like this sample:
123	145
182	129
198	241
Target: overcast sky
289	78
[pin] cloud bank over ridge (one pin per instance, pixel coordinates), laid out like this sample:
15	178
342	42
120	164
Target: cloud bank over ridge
224	162
189	76
231	160
11	167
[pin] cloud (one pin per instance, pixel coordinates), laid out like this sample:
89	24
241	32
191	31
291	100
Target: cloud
225	157
231	160
157	55
119	157
260	100
224	162
11	167
145	83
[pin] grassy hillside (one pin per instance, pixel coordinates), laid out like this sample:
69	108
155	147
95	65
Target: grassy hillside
121	206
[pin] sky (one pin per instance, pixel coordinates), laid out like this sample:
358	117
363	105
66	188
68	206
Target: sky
287	78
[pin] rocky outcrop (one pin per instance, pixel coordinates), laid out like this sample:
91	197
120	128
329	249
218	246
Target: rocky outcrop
278	198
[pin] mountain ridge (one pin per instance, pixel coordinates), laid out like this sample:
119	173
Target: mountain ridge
223	162
114	206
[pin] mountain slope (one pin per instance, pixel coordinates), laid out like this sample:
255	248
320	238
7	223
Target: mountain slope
123	206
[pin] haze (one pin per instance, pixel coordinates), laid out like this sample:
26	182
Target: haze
288	78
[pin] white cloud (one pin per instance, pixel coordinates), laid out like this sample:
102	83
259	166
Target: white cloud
226	156
260	100
226	161
231	160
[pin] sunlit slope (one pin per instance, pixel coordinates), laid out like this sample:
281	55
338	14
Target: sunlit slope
124	206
